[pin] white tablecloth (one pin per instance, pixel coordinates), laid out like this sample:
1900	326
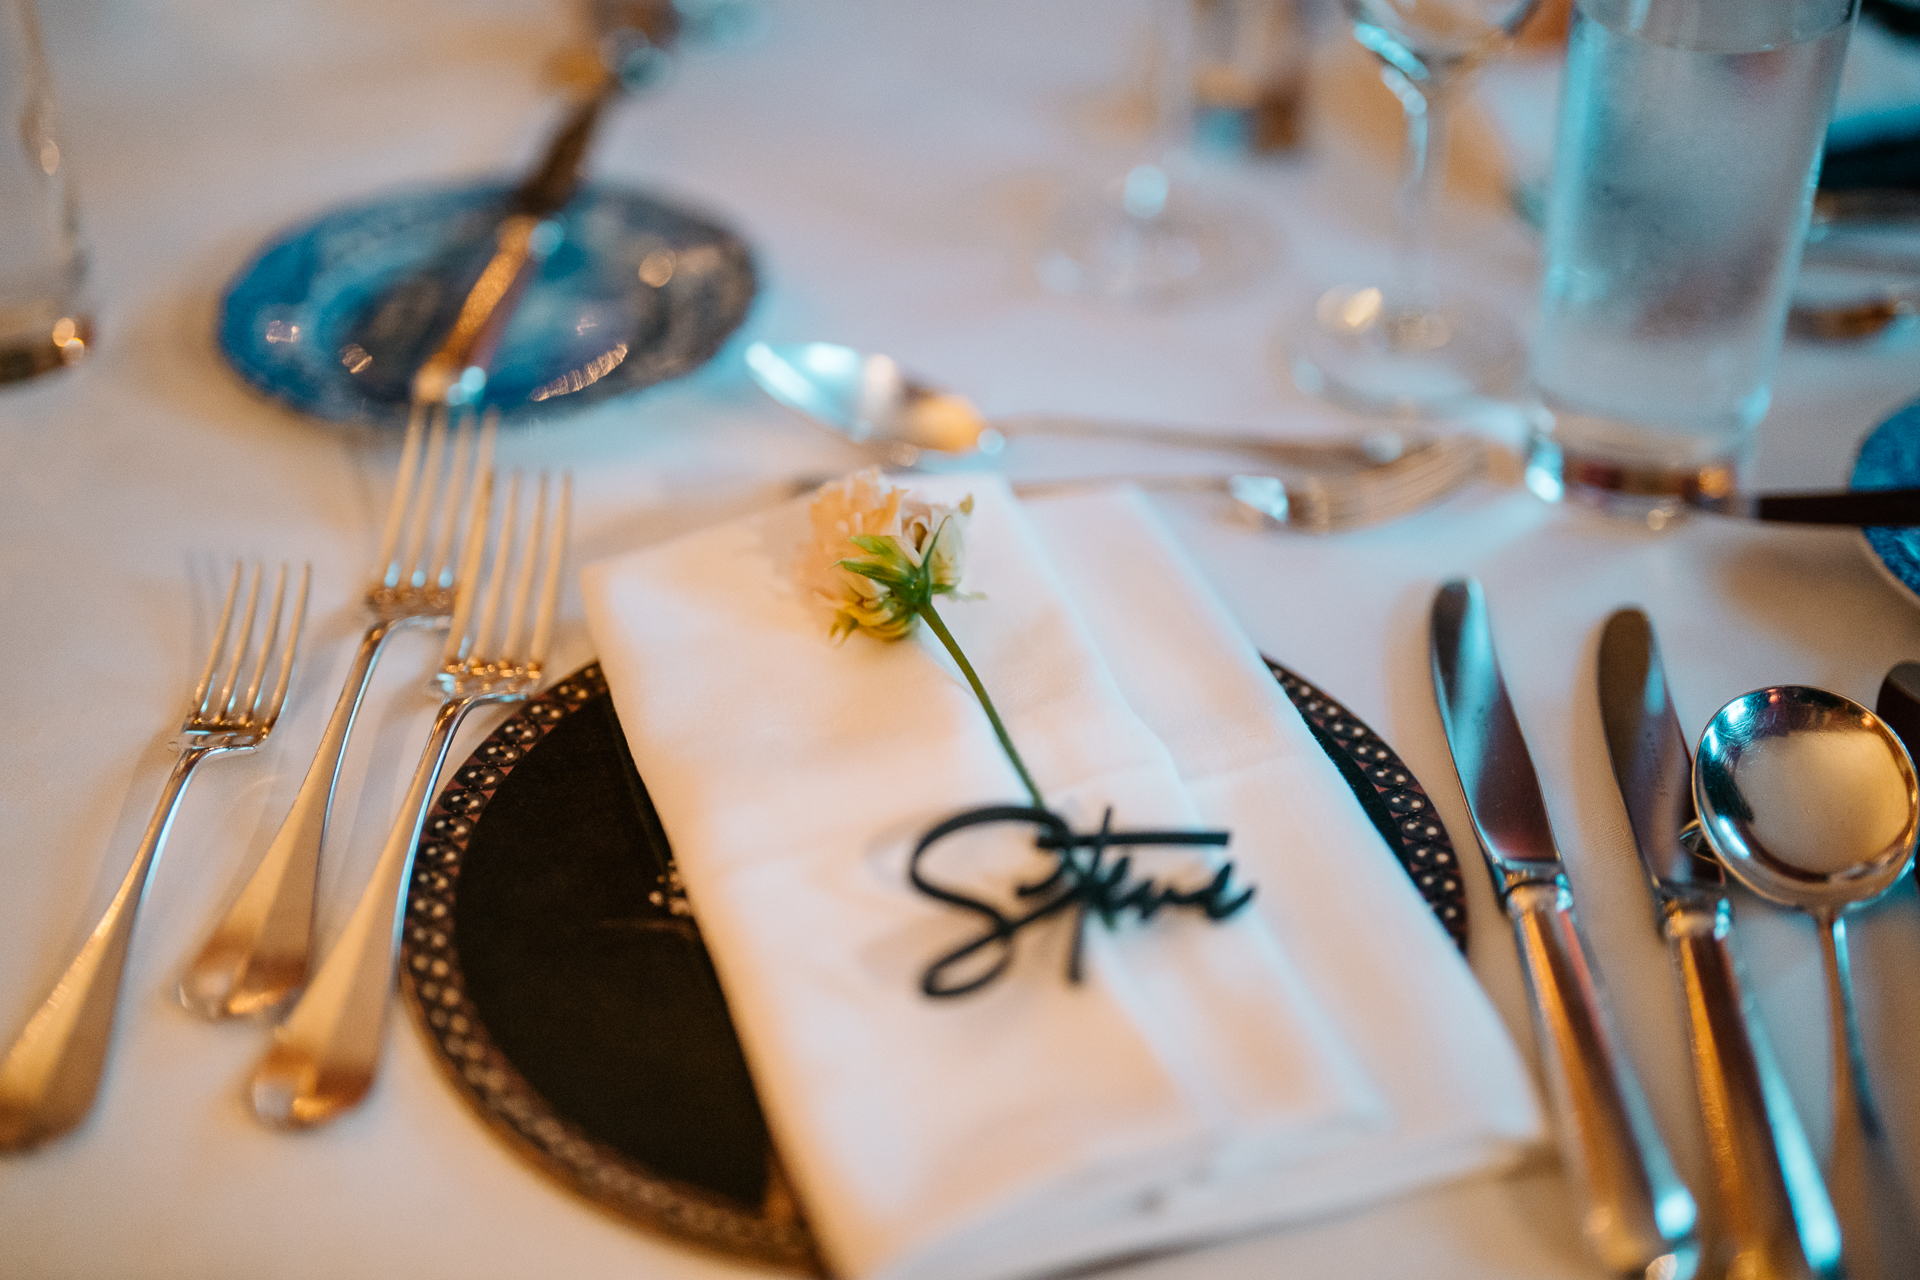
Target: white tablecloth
889	159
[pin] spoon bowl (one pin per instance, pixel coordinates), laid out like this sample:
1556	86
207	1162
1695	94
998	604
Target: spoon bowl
1808	797
868	400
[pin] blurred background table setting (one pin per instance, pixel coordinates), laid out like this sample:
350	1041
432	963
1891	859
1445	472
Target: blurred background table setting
530	329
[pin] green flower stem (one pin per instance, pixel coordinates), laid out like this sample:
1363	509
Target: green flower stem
928	612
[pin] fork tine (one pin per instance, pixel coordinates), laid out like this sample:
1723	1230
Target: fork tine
523	581
269	715
550	587
205	685
439	569
224	703
246	705
459	506
496	578
474	543
386	568
483	460
430	489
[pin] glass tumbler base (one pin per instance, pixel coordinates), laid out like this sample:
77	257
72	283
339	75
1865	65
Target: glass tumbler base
1653	490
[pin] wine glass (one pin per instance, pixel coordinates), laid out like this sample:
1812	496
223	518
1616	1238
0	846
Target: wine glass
1149	238
1406	346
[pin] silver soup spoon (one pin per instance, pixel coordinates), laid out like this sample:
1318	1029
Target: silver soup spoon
866	398
1810	801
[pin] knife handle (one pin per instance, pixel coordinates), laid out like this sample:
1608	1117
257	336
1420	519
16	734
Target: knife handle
484	313
1777	1221
1634	1210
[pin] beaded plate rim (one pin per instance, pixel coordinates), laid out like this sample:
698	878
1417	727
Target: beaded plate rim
433	986
1400	808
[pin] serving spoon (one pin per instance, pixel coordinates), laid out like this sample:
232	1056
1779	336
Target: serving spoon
1810	801
866	398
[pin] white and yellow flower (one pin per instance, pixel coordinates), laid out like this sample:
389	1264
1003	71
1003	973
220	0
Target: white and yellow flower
880	554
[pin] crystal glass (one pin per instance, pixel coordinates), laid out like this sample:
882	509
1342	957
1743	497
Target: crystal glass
43	321
1405	346
1149	237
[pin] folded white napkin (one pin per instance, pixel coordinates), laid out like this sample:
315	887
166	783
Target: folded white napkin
1196	1082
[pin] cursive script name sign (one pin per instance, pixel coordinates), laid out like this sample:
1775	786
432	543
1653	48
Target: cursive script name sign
1083	880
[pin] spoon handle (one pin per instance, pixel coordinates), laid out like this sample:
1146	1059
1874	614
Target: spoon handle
1877	1227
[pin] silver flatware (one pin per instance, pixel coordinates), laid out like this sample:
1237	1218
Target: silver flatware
1855	320
1776	1221
1810	800
50	1076
906	423
257	957
1330	503
1855	508
633	37
1637	1217
1864	268
325	1056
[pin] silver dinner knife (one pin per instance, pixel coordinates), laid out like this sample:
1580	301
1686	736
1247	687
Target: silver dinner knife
1777	1221
1636	1215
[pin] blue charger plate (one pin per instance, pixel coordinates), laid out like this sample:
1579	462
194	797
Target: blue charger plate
1890	459
333	316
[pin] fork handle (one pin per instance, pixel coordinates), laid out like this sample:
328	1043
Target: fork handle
50	1076
1313	453
257	956
324	1056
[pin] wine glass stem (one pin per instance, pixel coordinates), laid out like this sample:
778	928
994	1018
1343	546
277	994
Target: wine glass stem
1427	108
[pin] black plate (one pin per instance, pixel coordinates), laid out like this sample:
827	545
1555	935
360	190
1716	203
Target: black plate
550	957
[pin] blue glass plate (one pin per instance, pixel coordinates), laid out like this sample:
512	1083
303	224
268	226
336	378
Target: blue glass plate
334	316
1890	459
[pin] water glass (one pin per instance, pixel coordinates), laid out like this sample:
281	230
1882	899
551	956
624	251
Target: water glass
44	322
1689	143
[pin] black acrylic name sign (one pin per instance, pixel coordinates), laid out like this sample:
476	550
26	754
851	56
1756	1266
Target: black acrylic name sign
1082	880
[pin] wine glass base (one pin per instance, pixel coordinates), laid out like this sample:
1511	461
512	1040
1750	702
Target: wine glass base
1356	348
1112	246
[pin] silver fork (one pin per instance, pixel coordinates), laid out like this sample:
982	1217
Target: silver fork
324	1056
50	1076
1333	503
257	956
1328	503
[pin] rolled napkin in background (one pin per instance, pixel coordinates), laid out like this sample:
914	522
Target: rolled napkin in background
1194	1085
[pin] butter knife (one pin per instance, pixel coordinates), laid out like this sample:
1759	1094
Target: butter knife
456	371
1636	1215
1777	1222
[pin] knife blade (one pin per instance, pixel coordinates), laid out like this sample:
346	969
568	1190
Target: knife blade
1637	1217
1777	1220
